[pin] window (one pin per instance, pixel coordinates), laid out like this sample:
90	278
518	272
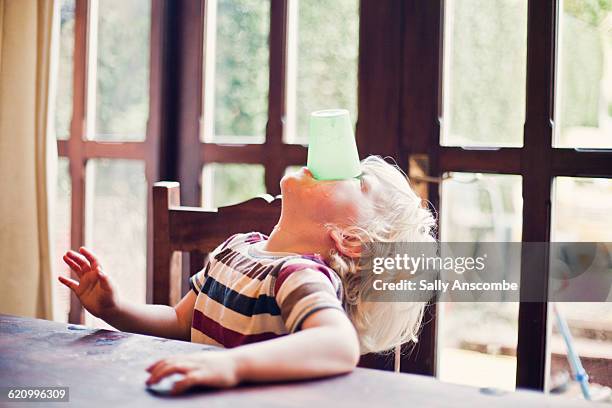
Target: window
584	72
115	226
231	183
116	131
61	218
516	102
63	102
236	70
103	186
477	340
504	104
484	72
583	220
321	62
261	80
122	72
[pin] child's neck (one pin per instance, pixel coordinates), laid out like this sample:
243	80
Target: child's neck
300	239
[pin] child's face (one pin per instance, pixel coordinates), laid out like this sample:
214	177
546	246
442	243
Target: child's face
342	202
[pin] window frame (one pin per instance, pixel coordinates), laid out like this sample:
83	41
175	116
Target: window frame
538	162
274	154
399	96
79	150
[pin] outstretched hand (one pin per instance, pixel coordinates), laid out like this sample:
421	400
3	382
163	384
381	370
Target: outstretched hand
94	288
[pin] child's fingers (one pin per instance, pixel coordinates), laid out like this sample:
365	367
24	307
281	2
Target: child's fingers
71	283
183	385
156	365
90	257
165	371
73	265
79	259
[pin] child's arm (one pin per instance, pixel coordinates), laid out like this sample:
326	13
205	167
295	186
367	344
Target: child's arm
155	320
327	345
97	293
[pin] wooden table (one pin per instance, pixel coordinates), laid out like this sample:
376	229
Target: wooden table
107	369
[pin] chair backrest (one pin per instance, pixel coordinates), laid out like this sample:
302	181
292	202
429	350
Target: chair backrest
179	229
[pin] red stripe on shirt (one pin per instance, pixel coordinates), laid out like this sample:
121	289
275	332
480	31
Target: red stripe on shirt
288	270
222	335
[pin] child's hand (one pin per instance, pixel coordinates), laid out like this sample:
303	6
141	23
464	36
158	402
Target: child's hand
213	368
94	288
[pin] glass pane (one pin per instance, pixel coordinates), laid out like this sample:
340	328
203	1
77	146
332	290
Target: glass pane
122	100
293	169
63	98
227	184
584	104
477	341
485	61
322	61
116	224
581	212
61	220
237	70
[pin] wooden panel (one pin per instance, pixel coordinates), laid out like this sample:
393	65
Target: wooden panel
75	148
196	262
421	85
178	229
570	162
422	75
285	155
504	160
198	229
378	361
62	148
111	366
379	70
161	137
156	157
166	263
112	150
276	94
115	150
536	171
188	102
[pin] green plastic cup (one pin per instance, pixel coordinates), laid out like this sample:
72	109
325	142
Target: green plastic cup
332	150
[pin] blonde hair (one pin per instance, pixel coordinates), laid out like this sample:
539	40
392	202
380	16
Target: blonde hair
400	217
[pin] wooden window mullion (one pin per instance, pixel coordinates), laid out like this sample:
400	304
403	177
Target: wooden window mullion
273	154
379	117
156	156
75	142
419	134
572	162
505	160
186	103
537	187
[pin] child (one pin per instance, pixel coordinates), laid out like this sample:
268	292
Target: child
288	306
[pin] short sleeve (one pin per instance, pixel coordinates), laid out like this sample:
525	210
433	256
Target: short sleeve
196	282
302	288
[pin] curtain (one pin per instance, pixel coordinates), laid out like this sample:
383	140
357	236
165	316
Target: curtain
28	156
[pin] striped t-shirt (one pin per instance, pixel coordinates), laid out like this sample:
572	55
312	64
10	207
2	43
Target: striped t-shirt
246	294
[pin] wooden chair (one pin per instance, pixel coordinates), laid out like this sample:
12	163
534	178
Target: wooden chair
179	229
196	231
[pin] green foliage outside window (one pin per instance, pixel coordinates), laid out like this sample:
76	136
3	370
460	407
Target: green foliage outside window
241	67
328	46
